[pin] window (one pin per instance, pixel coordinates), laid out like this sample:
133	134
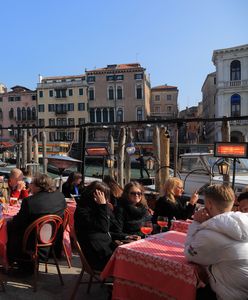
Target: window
70	107
119	92
111	93
19	114
64	121
1	114
11	113
119	115
51	136
41	94
17	98
33	113
50	107
29	114
61	108
70	121
59	122
24	114
157	109
11	99
81	91
139	92
157	97
105	115
41	107
41	122
51	93
111	115
138	76
33	97
92	115
235	70
235	105
91	79
81	106
139	114
168	97
91	94
70	136
110	77
169	108
60	93
51	122
119	77
71	92
98	115
81	121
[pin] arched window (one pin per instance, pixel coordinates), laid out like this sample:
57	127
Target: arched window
91	93
139	91
24	114
119	92
119	115
29	115
235	105
105	115
98	115
11	113
33	113
1	114
92	115
139	114
111	93
19	114
235	70
111	115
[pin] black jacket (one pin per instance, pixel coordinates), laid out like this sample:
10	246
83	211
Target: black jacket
178	210
33	207
69	189
130	217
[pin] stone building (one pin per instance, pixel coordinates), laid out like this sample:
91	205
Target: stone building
62	100
232	89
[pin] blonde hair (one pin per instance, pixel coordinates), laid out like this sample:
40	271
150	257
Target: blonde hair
169	187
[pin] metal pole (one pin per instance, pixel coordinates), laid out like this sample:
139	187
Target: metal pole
29	151
18	148
127	157
234	172
225	132
82	143
24	149
156	155
120	161
176	151
44	153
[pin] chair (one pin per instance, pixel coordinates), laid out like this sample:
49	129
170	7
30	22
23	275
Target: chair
65	224
44	231
86	268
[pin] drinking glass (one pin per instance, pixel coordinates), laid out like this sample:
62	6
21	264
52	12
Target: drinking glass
162	222
146	228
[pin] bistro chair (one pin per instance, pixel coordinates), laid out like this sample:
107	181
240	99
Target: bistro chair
66	222
86	268
43	233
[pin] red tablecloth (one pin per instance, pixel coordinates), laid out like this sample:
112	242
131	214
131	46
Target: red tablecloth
154	268
180	225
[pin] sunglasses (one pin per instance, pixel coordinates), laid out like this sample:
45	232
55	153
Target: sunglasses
135	193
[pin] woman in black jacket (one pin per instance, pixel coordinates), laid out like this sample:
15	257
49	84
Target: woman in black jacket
71	188
171	205
132	210
92	224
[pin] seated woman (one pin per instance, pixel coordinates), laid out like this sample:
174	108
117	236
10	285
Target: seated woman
171	205
132	210
92	224
115	190
243	202
45	200
71	188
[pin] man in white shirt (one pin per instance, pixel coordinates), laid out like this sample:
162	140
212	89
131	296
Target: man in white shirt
218	241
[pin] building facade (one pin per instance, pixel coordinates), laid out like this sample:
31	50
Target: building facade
232	89
117	93
17	107
208	106
62	101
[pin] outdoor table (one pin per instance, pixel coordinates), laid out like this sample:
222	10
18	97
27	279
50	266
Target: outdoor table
153	268
181	225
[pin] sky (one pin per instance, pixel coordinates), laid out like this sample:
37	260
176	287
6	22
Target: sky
173	39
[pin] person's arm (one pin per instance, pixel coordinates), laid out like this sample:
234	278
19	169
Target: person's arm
21	220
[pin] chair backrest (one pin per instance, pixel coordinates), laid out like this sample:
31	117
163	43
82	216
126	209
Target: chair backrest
66	219
43	230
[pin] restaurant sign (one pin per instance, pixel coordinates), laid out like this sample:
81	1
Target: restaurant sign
231	150
97	151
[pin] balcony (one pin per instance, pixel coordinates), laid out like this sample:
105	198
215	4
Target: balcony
61	112
233	84
239	122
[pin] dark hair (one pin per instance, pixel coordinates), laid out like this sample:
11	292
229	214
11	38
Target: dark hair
243	196
73	176
87	196
127	189
223	196
44	182
115	188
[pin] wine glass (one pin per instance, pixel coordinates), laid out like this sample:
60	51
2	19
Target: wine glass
146	228
162	222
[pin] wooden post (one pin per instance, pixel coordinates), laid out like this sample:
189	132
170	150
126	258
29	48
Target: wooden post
36	154
225	132
112	154
29	151
175	150
156	155
44	152
164	157
120	158
127	157
24	149
82	143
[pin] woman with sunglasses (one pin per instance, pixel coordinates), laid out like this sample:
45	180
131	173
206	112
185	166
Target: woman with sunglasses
172	205
132	210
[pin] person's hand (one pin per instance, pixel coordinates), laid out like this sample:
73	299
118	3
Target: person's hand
201	216
99	197
21	185
194	198
133	237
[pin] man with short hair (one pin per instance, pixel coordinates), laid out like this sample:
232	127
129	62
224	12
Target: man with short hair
243	202
218	240
17	187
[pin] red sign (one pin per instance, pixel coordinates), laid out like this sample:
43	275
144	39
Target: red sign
97	151
231	150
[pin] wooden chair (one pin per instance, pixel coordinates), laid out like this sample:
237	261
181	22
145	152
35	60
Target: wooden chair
66	222
43	231
86	268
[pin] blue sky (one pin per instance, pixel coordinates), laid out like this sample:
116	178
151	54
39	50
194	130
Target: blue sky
173	39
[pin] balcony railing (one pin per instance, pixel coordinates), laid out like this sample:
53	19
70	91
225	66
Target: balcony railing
60	112
233	84
239	122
